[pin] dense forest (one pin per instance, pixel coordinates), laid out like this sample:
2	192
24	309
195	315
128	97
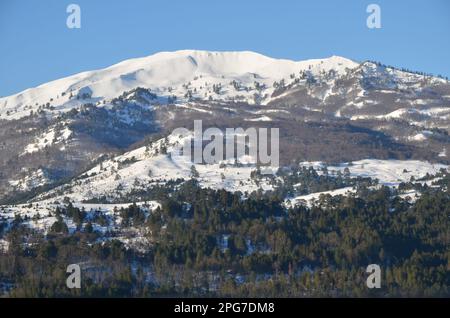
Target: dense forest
213	243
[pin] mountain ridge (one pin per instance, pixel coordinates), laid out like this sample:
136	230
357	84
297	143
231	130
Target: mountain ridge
164	69
366	110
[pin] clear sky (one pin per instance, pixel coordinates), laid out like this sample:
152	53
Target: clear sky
36	46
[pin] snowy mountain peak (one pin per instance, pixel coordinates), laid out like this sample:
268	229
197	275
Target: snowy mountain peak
183	74
234	62
84	117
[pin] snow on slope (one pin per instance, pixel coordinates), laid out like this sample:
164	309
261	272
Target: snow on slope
166	74
309	199
148	166
41	215
432	112
49	138
388	172
32	180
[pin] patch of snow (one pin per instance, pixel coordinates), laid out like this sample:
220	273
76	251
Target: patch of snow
421	136
49	138
388	172
32	180
262	118
310	199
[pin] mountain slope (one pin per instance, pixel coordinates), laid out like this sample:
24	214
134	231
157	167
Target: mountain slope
333	110
167	74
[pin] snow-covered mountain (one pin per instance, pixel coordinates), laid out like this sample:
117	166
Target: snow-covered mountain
183	74
332	110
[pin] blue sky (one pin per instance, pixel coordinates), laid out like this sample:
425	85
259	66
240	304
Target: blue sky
36	46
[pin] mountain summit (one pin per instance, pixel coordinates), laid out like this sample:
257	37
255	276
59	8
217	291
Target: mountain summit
332	110
165	73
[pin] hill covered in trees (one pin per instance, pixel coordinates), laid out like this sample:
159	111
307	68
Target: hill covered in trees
204	242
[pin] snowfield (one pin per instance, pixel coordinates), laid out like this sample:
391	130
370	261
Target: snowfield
432	112
51	137
32	180
309	199
41	216
201	74
147	167
388	172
